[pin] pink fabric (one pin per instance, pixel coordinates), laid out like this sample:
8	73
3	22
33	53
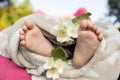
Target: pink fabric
10	71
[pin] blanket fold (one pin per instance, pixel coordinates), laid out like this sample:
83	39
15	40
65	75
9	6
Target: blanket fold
104	63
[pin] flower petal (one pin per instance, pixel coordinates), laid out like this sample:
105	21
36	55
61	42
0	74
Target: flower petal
49	64
59	65
52	73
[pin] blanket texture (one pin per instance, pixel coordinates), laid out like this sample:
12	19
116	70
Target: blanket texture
104	65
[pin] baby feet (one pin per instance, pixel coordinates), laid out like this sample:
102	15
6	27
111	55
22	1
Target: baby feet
32	38
89	38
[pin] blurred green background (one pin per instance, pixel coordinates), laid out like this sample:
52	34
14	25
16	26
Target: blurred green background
10	12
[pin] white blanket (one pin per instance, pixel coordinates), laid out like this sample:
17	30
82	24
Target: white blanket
104	65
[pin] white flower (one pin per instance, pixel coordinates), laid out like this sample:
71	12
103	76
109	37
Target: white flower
65	31
73	31
60	32
52	73
59	65
49	64
54	68
62	36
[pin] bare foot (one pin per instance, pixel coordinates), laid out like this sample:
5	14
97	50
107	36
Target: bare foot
32	39
89	38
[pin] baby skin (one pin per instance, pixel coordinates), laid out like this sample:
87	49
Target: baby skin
32	38
89	38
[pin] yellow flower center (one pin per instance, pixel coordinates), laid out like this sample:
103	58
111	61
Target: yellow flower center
61	33
53	70
72	30
59	65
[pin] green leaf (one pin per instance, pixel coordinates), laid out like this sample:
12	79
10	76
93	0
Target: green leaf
59	53
80	18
